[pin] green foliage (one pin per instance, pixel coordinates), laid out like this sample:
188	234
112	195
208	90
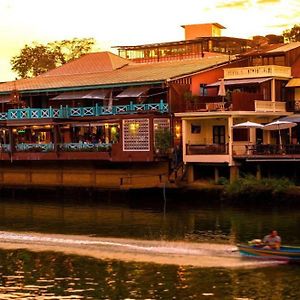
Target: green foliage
223	181
36	59
162	140
250	187
293	34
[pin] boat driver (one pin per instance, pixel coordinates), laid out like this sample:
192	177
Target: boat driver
272	241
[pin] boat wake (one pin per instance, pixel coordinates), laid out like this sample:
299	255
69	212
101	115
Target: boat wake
161	252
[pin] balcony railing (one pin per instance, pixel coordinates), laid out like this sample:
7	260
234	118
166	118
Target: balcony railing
210	149
62	147
266	149
91	111
257	71
271	106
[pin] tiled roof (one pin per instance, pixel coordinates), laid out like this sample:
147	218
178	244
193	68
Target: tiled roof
294	82
286	47
62	78
90	63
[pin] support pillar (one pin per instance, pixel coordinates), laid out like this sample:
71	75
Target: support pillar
190	173
258	172
217	175
234	173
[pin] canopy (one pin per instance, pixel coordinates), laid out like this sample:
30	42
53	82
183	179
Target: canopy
133	92
6	98
77	95
248	124
293	118
277	125
240	81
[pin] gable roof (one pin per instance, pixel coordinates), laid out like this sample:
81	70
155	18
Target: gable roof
130	74
90	63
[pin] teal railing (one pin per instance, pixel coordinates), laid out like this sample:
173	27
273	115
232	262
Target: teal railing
63	147
91	111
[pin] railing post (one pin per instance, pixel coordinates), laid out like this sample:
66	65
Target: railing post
161	106
96	110
131	106
50	112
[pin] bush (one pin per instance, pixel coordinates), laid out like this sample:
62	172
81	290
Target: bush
249	187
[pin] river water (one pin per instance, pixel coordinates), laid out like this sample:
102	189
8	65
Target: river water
136	246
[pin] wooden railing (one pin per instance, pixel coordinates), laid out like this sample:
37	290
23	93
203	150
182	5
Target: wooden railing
199	149
63	147
266	106
91	111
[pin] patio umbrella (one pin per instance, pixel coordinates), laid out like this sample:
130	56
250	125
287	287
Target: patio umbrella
222	90
248	124
279	125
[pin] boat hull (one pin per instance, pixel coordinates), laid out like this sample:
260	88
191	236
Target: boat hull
286	253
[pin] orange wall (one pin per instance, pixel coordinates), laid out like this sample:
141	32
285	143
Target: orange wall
210	77
201	30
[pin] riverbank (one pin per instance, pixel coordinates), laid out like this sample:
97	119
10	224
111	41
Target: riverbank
243	191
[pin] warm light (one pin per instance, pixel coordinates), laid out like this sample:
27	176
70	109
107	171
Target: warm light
113	130
177	131
134	127
106	125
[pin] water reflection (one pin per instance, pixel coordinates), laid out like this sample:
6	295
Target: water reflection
205	222
27	275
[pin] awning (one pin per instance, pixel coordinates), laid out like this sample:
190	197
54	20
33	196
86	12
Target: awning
133	92
6	98
294	82
239	81
295	118
78	95
98	94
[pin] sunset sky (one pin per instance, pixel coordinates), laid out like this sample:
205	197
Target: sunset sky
133	22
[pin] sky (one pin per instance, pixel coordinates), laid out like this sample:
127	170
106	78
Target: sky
133	22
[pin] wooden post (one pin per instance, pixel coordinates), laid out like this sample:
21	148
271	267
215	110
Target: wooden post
190	173
217	175
258	172
234	173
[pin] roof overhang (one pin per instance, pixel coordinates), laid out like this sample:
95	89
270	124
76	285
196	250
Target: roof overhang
133	92
294	82
228	82
83	95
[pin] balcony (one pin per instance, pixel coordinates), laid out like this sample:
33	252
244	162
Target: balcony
209	149
257	71
269	106
67	112
271	150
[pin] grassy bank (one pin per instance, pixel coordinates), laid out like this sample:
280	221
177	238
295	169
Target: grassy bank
248	188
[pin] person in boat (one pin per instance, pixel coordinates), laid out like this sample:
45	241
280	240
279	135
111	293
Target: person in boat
272	241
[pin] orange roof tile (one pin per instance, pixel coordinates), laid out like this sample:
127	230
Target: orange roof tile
90	63
78	75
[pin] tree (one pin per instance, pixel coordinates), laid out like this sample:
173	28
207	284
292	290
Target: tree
293	34
37	59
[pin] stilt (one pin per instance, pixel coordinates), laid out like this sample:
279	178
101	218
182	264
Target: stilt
234	173
217	175
190	173
258	172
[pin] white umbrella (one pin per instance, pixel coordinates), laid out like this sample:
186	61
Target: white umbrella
248	124
222	91
279	125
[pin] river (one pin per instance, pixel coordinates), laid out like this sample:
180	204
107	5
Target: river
138	246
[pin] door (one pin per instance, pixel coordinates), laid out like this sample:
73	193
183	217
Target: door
219	138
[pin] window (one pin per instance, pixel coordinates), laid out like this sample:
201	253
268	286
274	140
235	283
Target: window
219	134
195	128
203	89
240	134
